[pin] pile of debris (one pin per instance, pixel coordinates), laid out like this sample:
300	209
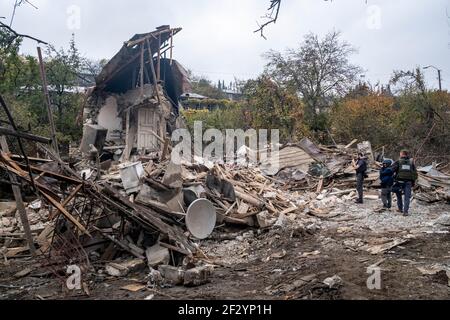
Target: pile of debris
89	212
157	211
434	184
306	166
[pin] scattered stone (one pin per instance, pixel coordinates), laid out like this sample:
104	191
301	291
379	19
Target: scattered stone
282	221
172	275
334	282
155	278
5	222
444	220
265	220
243	208
124	268
248	235
157	255
7	208
197	276
173	177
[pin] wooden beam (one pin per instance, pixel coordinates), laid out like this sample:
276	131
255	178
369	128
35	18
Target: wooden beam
158	70
165	149
164	50
120	244
54	175
22	174
152	67
61	209
19	202
171	47
170	247
119	69
24	135
67	200
72	195
153	35
351	144
19	157
141	72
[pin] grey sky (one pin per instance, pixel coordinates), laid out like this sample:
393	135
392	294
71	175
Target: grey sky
218	40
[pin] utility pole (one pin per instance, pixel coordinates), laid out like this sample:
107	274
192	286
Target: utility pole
439	76
440	79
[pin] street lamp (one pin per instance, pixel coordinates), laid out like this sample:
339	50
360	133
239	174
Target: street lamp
439	75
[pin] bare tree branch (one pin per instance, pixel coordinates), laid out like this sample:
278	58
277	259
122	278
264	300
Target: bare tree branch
18	35
272	16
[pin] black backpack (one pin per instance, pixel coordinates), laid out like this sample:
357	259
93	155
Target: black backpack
406	170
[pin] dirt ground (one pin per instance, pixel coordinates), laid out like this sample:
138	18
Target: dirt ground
288	262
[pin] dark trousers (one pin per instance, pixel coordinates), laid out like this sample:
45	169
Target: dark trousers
400	189
386	197
360	186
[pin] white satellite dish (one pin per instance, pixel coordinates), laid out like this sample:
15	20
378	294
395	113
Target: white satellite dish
201	218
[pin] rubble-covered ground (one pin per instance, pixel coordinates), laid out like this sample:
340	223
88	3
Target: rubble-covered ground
290	261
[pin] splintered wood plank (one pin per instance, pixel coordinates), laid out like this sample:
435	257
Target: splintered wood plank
61	209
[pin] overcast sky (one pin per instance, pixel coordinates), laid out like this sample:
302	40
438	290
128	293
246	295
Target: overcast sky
218	40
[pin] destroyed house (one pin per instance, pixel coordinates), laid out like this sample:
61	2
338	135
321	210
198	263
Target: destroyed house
135	101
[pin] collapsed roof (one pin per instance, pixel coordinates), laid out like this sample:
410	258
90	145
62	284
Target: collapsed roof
123	71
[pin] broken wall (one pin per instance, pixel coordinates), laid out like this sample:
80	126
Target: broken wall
109	118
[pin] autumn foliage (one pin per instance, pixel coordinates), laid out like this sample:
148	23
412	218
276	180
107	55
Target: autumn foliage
365	118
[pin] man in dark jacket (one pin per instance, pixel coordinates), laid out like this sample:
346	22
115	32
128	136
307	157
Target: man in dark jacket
360	166
387	181
405	179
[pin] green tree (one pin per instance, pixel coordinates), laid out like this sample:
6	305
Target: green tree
63	67
274	107
21	86
205	87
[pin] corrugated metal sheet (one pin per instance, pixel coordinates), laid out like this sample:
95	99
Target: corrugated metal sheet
291	157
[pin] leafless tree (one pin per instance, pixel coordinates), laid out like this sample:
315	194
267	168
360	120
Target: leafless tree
413	82
271	16
318	70
405	82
